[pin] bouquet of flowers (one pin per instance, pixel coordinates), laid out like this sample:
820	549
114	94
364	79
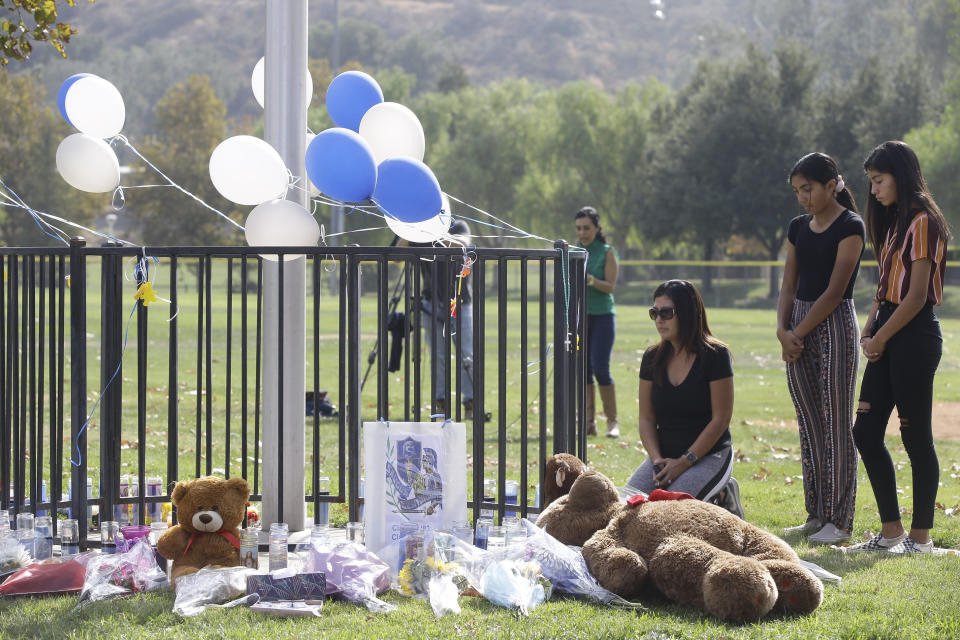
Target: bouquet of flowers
123	574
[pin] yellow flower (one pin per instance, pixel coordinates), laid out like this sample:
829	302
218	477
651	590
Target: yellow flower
405	578
145	294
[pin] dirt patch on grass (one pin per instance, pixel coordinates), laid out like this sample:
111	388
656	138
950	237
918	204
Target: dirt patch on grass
946	421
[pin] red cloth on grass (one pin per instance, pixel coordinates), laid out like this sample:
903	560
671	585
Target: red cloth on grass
63	577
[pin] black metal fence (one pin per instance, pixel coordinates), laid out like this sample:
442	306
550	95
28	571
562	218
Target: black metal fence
170	388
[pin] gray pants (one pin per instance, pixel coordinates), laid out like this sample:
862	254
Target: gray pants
703	480
438	347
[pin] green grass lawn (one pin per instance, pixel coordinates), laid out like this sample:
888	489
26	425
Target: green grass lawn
879	597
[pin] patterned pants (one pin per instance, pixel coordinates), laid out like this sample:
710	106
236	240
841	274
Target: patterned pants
823	388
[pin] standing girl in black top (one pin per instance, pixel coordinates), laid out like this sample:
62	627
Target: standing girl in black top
817	327
686	401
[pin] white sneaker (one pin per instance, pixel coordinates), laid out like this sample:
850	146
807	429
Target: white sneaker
811	525
878	543
829	534
911	546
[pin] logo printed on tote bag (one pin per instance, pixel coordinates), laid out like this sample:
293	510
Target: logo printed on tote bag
414	484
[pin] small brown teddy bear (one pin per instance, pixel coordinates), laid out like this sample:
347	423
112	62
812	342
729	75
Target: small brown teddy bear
209	512
559	474
693	552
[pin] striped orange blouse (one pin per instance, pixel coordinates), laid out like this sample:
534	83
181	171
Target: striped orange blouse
921	241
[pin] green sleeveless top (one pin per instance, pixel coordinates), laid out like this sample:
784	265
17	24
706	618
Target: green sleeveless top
598	302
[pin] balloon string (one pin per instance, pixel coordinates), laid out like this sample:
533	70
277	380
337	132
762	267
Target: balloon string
376	210
503	222
124	140
35	213
60	234
86	422
45	227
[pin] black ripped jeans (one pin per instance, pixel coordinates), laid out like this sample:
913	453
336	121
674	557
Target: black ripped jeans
902	377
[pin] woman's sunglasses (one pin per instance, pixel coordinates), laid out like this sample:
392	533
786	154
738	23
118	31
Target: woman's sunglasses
665	313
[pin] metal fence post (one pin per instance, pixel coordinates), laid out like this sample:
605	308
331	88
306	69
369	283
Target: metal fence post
562	346
78	384
354	408
111	379
578	278
479	381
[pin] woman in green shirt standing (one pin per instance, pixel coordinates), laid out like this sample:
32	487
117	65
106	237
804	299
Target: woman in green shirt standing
602	268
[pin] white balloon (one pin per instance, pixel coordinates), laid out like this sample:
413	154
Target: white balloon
312	189
393	130
281	223
247	170
257	82
88	163
431	230
445	204
95	107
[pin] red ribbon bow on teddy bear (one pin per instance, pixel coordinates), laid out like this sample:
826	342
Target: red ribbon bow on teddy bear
656	495
232	539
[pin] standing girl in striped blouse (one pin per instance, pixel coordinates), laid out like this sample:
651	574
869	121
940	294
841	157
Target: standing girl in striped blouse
817	328
902	342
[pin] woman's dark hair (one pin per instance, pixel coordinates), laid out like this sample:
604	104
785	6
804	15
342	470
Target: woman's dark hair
590	212
694	332
898	159
821	168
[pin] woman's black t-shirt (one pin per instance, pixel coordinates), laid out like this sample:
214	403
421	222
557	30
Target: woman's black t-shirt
817	252
683	411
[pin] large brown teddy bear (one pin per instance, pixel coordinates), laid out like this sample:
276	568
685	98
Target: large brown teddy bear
693	552
209	512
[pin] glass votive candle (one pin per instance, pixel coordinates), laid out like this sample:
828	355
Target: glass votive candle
25	522
43	542
69	537
4	521
109	532
497	538
516	535
483	532
250	548
463	531
323	508
443	546
355	532
319	532
279	537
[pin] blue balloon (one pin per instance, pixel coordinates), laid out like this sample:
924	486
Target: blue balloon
407	190
349	96
62	94
341	164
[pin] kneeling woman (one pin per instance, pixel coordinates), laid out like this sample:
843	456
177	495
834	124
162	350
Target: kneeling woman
686	400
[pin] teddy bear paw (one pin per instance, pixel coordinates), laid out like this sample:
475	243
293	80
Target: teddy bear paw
740	590
799	591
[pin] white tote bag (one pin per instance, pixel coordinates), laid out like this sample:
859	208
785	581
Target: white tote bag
415	473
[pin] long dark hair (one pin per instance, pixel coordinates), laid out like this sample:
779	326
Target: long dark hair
898	159
821	168
694	332
590	212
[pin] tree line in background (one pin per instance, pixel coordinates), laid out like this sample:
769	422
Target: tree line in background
694	172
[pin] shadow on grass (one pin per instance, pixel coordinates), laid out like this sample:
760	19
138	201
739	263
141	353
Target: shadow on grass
843	564
59	617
